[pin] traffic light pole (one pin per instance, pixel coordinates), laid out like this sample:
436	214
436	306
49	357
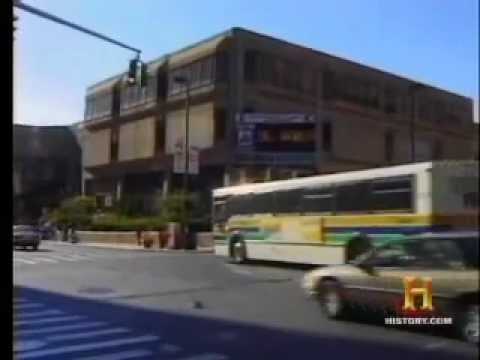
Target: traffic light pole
19	4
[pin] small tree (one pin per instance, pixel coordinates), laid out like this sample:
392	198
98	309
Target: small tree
177	207
76	211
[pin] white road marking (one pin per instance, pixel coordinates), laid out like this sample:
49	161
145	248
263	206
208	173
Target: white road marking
28	345
237	270
45	259
170	348
38	313
53	329
20	300
27	306
124	355
88	334
435	345
47	321
20	260
206	356
63	257
89	346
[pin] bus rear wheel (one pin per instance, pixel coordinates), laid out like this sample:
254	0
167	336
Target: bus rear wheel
238	252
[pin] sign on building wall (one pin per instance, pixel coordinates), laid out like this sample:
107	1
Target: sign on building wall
275	139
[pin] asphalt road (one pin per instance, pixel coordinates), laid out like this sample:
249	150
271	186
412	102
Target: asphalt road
78	302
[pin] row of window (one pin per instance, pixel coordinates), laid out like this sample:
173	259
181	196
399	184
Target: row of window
434	150
392	194
219	131
98	105
260	67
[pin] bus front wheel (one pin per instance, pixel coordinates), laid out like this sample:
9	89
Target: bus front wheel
238	252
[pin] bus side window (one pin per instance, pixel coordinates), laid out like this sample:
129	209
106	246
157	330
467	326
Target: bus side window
318	200
353	196
391	194
287	201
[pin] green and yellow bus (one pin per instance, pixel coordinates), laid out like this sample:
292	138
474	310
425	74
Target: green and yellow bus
330	219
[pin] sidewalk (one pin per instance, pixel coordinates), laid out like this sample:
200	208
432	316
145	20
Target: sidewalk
203	250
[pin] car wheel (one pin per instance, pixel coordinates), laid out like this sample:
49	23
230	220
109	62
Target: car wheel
35	247
238	252
331	300
468	327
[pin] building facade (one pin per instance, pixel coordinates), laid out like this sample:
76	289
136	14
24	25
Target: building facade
261	108
46	169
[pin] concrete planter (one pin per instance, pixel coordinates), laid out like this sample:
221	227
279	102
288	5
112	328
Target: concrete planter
108	237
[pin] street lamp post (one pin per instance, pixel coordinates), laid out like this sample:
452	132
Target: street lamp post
413	89
184	80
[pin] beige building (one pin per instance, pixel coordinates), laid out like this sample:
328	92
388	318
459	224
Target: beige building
362	117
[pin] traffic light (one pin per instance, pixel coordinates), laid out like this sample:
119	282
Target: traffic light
15	18
143	75
132	72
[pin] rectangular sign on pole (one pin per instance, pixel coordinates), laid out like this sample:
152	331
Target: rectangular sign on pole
179	160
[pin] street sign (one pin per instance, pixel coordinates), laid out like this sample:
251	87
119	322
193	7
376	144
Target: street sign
179	159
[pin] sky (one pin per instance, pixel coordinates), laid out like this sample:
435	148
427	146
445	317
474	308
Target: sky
433	41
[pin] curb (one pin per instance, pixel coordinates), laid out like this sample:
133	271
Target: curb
136	248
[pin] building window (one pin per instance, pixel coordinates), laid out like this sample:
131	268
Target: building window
437	150
200	73
220	120
221	66
159	136
327	137
250	66
389	146
114	144
390	105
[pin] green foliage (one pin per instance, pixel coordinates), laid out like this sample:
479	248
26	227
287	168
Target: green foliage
76	211
177	207
116	222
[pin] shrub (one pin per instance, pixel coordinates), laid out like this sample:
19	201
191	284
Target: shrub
76	211
115	222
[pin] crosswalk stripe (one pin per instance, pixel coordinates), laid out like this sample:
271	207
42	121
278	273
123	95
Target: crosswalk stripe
47	321
124	355
86	347
63	257
27	306
45	259
38	313
54	329
88	334
20	300
24	261
80	256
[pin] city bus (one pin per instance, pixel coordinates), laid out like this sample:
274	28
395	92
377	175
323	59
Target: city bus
331	219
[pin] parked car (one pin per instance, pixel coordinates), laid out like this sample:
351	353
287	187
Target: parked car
26	235
375	280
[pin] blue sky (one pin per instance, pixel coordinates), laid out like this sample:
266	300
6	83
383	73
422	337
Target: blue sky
435	41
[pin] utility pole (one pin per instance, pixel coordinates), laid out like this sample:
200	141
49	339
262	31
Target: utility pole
413	89
185	81
133	63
